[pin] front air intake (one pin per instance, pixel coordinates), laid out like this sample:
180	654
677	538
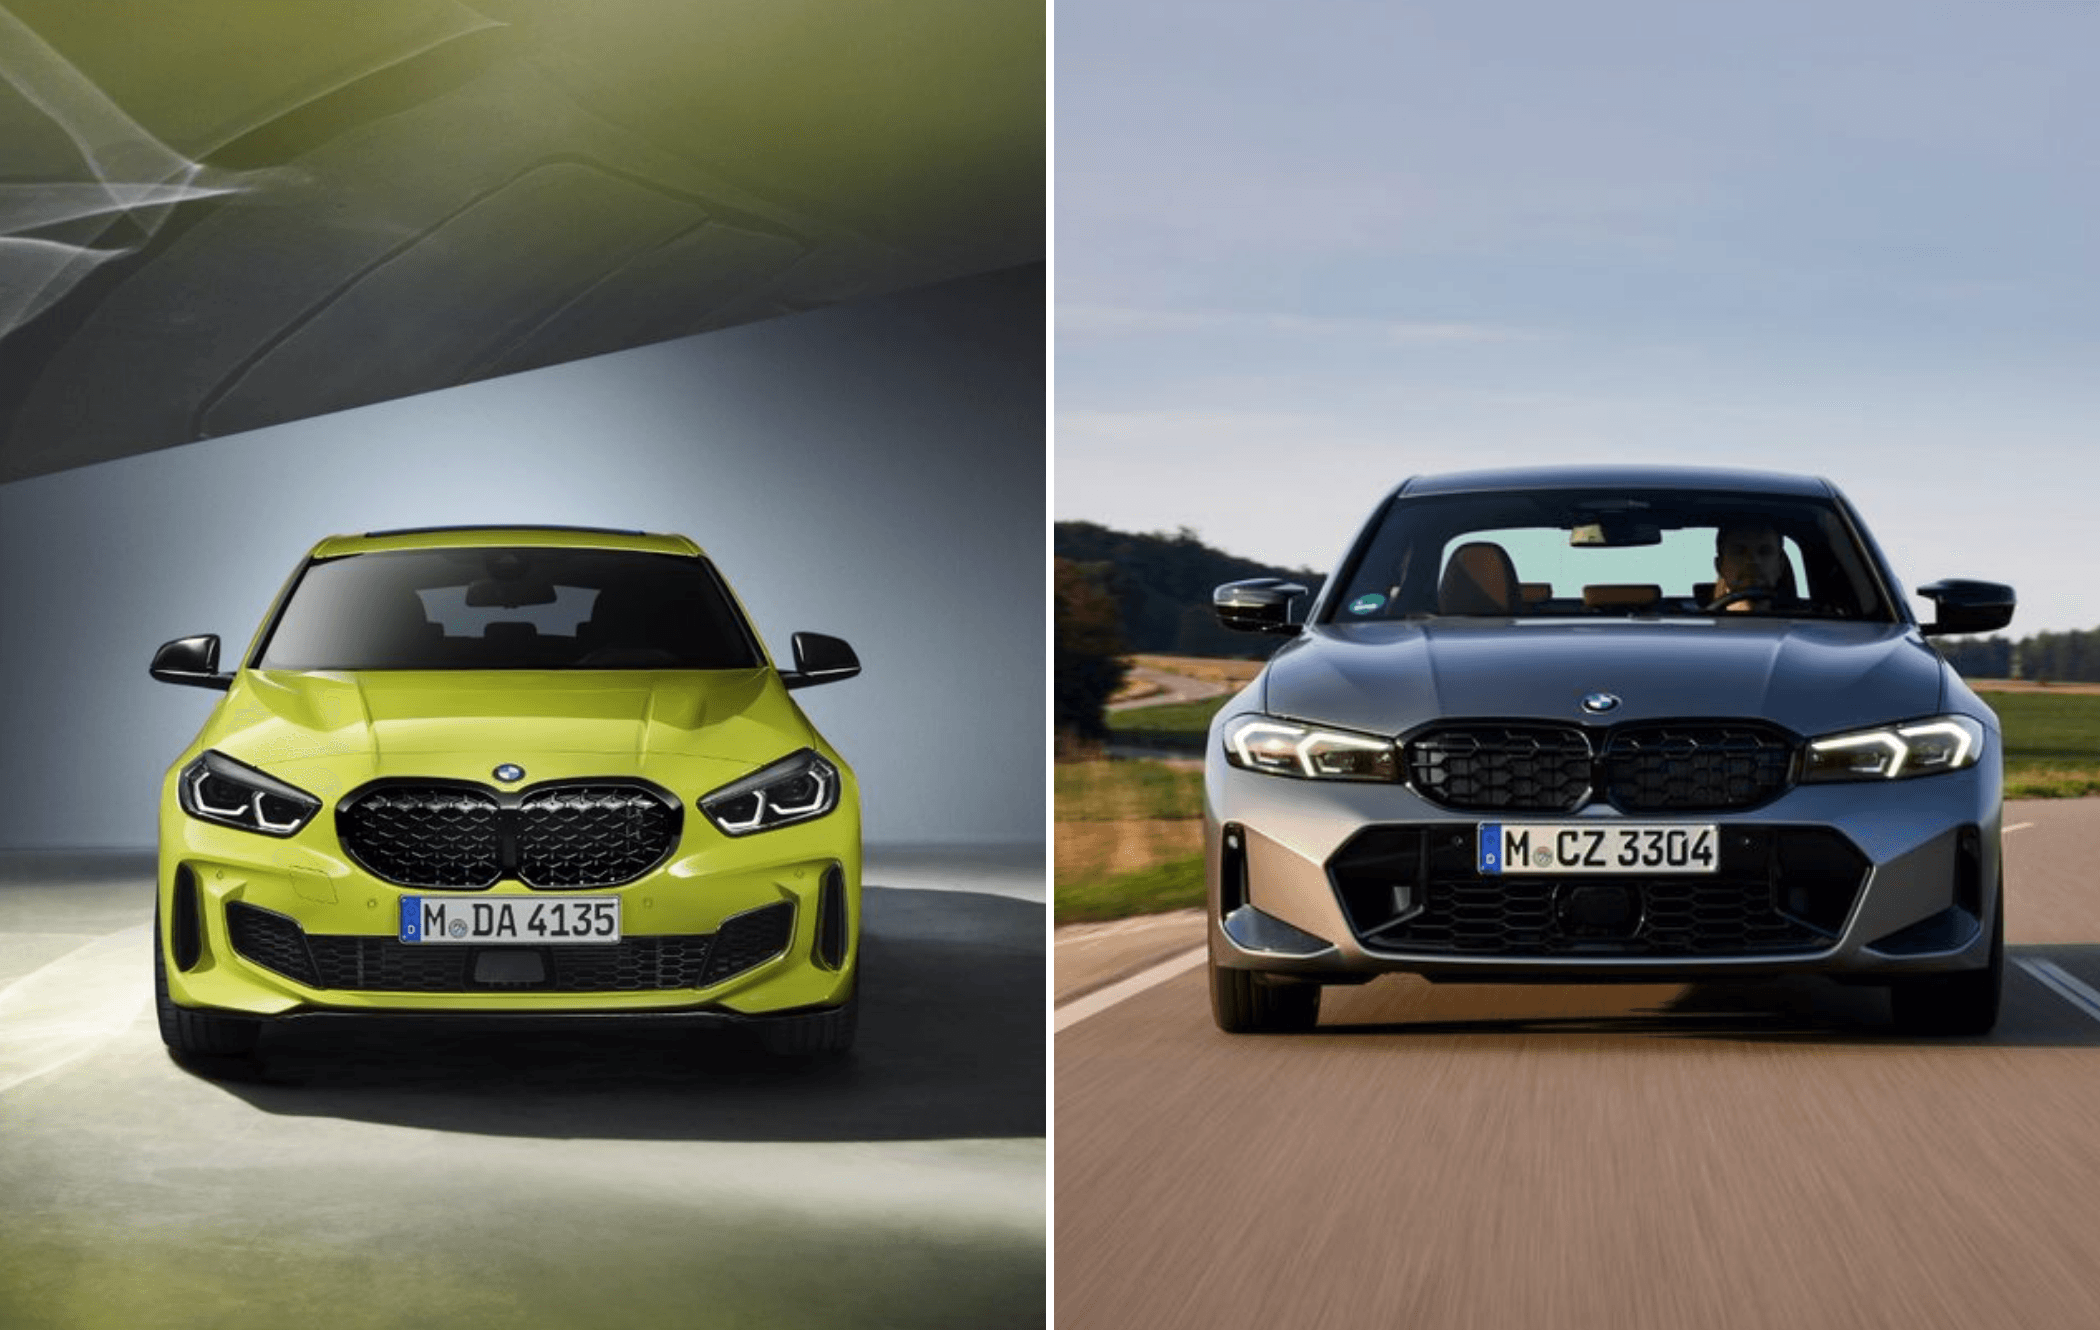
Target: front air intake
831	919
377	964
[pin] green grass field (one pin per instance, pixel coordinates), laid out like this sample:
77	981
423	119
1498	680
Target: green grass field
2052	751
1176	884
1110	791
2052	743
1182	725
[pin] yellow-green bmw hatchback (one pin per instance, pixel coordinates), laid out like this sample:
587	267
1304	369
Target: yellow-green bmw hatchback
510	771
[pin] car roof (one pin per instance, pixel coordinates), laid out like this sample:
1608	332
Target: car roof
1620	477
470	537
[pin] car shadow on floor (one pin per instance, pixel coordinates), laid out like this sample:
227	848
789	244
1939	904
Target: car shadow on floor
1807	1009
950	1046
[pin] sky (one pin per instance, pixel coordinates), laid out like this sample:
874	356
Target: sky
1306	250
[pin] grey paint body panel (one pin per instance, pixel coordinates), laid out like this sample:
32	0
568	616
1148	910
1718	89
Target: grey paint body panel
1811	677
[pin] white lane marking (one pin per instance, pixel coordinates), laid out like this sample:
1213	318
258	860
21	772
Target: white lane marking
2065	986
2018	826
1080	935
1100	1000
67	1009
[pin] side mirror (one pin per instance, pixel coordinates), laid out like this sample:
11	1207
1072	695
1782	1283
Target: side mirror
1968	607
191	660
820	659
1257	605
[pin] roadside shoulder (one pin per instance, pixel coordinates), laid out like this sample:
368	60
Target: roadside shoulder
1093	956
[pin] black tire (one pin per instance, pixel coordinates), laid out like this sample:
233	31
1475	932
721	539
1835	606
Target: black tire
196	1033
1242	1003
827	1033
1963	1003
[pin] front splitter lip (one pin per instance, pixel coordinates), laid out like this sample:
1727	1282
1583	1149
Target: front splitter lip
1361	962
708	1017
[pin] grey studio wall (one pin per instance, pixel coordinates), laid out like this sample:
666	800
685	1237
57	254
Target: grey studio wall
874	470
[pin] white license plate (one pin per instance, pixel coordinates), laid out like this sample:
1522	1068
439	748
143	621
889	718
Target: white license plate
1588	847
510	919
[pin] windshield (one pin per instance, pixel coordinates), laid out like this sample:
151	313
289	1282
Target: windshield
509	608
1610	552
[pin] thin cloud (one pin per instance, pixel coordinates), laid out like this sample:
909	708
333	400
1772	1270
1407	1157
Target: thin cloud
1110	321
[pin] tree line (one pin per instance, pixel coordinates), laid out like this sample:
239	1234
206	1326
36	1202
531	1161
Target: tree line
2068	657
1118	594
1162	585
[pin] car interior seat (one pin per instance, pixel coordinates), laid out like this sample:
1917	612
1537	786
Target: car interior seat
1479	579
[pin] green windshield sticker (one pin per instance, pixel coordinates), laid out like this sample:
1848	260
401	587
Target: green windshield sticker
1368	603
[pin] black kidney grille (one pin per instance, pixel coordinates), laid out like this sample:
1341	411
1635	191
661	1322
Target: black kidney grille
1493	767
1416	889
1695	766
386	965
590	835
1650	767
425	835
465	837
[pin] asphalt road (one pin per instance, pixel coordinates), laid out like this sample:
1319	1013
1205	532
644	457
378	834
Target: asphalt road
389	1175
1592	1156
1167	689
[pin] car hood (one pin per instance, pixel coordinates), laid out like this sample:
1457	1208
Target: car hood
1812	677
272	717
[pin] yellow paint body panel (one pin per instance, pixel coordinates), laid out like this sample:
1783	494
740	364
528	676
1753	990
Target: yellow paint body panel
330	733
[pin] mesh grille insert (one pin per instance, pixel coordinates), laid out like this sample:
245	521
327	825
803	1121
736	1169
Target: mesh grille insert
1502	766
270	940
387	965
1649	767
751	938
1695	766
1417	889
454	836
592	835
632	965
424	836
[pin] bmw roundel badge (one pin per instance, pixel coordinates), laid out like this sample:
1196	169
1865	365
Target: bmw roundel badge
1599	703
511	771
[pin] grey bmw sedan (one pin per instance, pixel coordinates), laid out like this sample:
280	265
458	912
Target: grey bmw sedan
1607	723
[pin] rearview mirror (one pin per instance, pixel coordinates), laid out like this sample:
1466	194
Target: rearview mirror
1257	605
1968	607
191	660
820	659
510	594
1614	532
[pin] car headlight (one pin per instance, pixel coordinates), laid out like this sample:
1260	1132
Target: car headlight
218	789
1896	752
797	788
1287	748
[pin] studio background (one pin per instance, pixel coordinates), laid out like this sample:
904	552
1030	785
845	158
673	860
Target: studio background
872	470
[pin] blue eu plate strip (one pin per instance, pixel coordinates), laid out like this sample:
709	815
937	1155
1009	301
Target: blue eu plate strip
1491	847
411	918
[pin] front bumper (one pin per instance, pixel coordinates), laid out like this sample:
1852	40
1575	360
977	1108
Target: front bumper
1927	852
219	961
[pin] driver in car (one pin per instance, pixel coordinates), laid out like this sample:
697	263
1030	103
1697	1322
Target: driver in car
1749	557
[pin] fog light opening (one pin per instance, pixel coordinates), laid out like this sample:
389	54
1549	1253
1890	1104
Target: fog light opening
1968	871
1254	931
1232	869
831	919
186	921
